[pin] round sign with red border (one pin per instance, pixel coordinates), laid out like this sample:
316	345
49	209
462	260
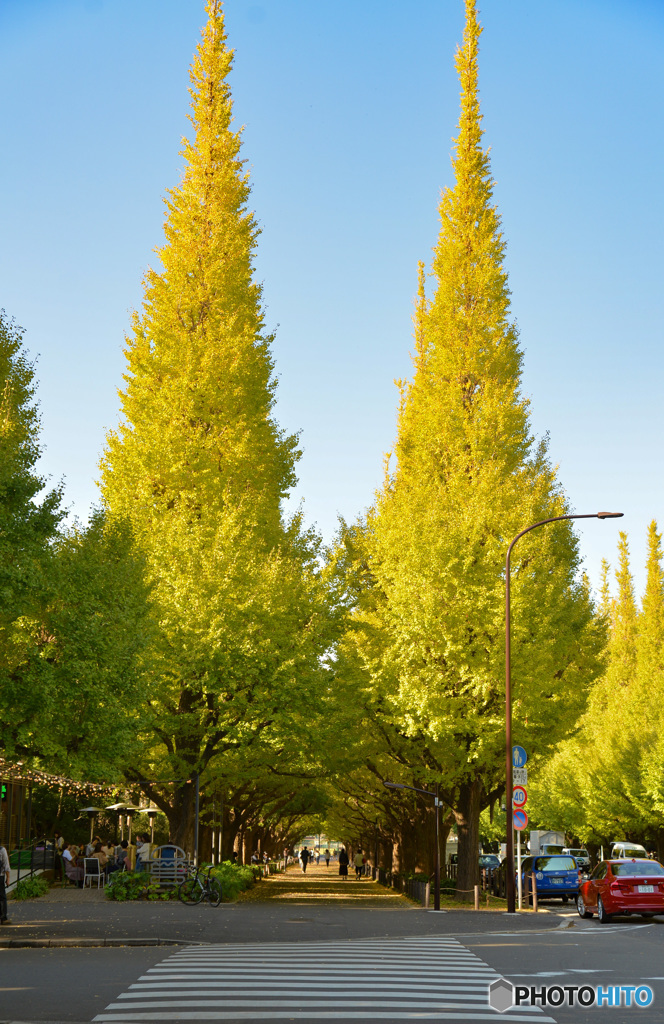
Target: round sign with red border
520	820
519	796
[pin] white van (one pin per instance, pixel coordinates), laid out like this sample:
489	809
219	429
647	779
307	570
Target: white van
625	851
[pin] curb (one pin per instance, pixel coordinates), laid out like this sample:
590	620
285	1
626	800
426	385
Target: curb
52	943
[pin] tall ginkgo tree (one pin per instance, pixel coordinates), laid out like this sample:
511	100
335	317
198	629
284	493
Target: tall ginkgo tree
200	468
425	642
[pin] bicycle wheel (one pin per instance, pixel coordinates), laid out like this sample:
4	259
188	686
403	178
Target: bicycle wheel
213	894
190	891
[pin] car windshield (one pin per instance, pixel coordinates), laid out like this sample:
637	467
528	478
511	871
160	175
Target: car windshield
579	853
556	864
637	867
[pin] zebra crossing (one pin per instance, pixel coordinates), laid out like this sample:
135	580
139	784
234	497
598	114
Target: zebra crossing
427	978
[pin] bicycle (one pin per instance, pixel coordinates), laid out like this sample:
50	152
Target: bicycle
195	889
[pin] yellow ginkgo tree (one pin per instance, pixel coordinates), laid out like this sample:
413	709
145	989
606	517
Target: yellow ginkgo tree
200	468
425	641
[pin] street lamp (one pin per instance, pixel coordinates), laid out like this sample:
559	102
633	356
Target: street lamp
509	853
427	792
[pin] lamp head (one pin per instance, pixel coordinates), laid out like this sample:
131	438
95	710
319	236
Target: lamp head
610	515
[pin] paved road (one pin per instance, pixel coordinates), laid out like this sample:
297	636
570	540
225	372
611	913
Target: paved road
443	977
315	952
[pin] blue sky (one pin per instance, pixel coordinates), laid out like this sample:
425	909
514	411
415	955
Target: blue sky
349	110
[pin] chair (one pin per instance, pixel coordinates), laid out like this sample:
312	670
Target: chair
92	870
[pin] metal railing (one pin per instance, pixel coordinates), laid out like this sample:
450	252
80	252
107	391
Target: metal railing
27	860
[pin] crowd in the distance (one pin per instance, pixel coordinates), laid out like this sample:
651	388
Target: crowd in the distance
124	856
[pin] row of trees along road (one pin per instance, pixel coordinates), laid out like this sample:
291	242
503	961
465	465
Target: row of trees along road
194	631
607	781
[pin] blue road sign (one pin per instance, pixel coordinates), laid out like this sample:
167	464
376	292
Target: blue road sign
520	820
519	756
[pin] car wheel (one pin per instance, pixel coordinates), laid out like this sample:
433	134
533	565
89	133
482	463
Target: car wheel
581	907
602	915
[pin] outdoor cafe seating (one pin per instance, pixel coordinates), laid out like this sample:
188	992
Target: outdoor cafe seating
93	872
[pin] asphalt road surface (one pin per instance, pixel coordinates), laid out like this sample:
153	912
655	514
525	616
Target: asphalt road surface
437	975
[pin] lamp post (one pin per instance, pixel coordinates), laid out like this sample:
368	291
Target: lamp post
427	792
509	853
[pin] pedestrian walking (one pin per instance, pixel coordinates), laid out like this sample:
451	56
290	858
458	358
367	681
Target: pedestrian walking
4	882
343	863
327	858
304	857
358	861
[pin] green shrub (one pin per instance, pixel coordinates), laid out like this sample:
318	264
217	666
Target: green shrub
27	888
136	885
234	878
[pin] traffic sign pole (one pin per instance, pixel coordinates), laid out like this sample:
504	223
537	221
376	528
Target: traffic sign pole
519	881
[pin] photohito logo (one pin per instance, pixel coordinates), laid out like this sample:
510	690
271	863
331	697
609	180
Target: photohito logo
503	995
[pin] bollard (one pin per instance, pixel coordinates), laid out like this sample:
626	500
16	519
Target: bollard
533	882
477	897
427	893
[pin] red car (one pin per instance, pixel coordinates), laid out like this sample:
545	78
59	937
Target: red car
622	887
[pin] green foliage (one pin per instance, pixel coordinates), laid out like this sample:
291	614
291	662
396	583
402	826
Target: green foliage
604	784
29	888
234	878
136	885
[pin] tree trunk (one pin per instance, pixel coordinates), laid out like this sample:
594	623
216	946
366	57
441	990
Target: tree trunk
467	815
181	818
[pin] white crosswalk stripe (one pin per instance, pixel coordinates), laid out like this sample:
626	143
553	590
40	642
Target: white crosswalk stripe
427	978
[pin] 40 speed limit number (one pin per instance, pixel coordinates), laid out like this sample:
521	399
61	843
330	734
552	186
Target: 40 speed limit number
519	796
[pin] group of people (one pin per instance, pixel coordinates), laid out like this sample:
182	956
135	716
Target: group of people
307	855
360	863
122	857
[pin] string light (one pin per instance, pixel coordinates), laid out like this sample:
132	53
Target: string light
20	773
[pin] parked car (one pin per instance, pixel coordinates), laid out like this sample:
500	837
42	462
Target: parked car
489	861
557	876
581	856
622	887
623	851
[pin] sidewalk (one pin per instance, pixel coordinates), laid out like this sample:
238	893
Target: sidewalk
282	908
323	885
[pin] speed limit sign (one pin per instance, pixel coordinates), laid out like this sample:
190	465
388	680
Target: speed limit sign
519	796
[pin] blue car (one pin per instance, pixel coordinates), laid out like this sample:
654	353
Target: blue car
557	875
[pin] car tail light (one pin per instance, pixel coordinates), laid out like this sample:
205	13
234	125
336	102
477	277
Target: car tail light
616	889
580	876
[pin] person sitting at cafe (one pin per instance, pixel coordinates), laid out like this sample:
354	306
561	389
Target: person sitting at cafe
90	847
143	851
72	870
126	858
109	849
99	855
